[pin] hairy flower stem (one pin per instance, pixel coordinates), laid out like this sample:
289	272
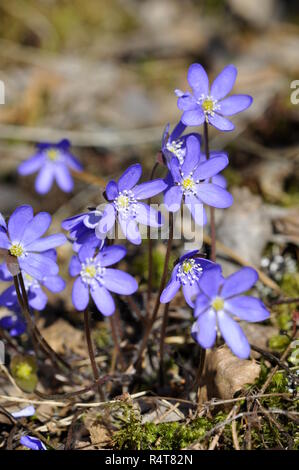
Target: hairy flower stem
212	209
157	304
150	249
115	340
91	353
25	312
202	351
162	343
36	335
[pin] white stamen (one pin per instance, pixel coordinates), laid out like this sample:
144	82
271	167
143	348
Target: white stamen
189	271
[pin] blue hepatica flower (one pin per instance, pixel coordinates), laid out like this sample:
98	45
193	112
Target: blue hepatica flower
32	443
186	274
13	323
219	302
23	242
53	162
26	412
82	229
191	181
173	145
210	105
96	279
36	296
220	180
124	204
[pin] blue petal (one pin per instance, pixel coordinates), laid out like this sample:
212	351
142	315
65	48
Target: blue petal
238	282
130	177
149	189
111	255
80	294
247	308
31	165
192	155
103	300
111	190
205	328
233	335
210	281
120	282
18	222
224	82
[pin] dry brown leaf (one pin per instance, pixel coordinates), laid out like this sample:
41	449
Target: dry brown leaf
62	336
99	434
225	374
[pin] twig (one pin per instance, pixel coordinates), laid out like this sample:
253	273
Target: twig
116	342
150	249
285	301
212	209
91	353
162	342
274	359
221	427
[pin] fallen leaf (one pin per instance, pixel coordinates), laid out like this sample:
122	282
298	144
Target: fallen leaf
225	374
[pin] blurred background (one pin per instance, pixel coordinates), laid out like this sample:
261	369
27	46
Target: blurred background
103	75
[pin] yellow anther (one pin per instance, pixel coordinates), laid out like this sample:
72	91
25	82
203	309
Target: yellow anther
208	105
218	304
188	184
123	202
16	250
187	266
91	271
52	154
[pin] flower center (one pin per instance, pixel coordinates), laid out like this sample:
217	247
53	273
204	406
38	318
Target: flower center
218	304
188	184
209	105
175	147
187	266
53	155
125	203
16	249
189	271
92	273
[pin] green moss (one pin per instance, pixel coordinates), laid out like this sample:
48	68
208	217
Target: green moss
102	336
279	342
233	177
133	434
140	266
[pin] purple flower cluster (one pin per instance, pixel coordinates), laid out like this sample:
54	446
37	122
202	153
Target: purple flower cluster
53	162
192	179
